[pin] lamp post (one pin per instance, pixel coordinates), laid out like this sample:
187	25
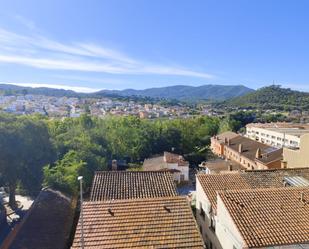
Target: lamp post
80	179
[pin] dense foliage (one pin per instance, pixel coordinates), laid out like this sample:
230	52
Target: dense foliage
53	152
272	97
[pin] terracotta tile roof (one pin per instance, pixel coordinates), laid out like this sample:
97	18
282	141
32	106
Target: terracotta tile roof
108	185
175	158
220	165
272	156
249	147
226	135
270	217
165	222
213	183
47	224
273	178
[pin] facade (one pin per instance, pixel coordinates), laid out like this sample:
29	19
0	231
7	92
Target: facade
207	205
218	142
171	162
247	152
277	134
293	158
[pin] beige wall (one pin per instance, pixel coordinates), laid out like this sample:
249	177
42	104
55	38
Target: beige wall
298	158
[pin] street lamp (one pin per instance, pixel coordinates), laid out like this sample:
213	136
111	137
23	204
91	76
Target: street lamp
80	179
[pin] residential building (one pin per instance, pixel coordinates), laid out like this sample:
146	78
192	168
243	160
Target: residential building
171	162
219	165
293	158
247	152
47	224
277	134
263	218
114	185
218	142
208	185
164	222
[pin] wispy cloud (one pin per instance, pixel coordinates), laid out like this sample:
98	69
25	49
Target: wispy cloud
57	86
41	52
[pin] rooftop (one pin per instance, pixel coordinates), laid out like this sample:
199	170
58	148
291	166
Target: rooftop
270	217
109	185
249	147
47	224
220	165
175	158
273	178
226	135
165	222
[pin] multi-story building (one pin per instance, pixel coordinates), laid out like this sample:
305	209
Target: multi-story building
247	152
218	232
277	134
293	158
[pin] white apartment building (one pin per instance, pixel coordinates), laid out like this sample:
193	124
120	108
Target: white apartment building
277	134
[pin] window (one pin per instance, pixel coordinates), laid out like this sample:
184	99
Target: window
202	212
212	224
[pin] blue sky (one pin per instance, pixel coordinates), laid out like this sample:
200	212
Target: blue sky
98	44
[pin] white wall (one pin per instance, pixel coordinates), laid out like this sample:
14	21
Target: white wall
226	230
183	170
207	234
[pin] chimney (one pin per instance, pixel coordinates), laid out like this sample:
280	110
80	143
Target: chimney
228	142
114	165
230	167
240	148
258	153
302	197
284	164
173	149
225	140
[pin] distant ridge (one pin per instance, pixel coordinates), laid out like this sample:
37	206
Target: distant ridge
272	97
186	93
177	92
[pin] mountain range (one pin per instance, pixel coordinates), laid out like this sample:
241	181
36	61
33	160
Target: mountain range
227	96
186	93
177	92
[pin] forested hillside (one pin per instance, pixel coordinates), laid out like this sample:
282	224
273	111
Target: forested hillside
36	151
272	97
186	93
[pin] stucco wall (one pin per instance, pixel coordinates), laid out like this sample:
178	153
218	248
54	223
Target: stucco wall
226	230
207	234
298	158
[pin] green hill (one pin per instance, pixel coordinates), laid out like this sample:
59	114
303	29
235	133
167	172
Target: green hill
272	97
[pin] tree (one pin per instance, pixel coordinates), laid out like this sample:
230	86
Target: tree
63	175
25	148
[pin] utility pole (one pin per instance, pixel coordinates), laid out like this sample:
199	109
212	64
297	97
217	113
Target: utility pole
80	179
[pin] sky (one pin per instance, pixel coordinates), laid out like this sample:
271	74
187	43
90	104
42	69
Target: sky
117	44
